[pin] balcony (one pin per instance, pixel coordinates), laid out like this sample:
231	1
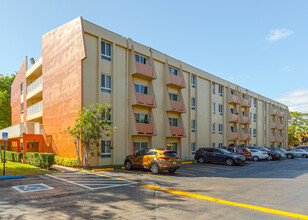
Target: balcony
273	124
273	111
245	136
145	129
281	114
233	134
26	127
144	99
233	116
37	107
175	106
146	71
38	82
245	101
177	131
245	119
273	137
173	80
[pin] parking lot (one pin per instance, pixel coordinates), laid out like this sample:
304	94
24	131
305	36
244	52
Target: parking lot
197	191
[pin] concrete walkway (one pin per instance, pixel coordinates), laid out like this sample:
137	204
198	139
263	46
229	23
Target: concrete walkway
63	169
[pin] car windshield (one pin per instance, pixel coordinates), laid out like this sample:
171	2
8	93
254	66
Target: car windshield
241	150
247	149
225	151
170	154
265	149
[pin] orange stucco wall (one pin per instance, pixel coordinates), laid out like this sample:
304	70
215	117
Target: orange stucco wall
63	51
16	96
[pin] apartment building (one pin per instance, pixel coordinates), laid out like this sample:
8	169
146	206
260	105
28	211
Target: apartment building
157	101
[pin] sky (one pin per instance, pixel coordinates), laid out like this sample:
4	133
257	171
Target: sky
258	44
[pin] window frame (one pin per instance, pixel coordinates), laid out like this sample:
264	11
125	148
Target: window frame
213	128
220	90
193	81
104	54
193	125
213	108
172	120
22	108
140	145
142	59
141	118
213	88
193	103
171	145
220	128
193	148
108	154
173	71
220	109
139	87
21	88
172	95
106	89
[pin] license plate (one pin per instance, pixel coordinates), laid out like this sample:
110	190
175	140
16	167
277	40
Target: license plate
174	162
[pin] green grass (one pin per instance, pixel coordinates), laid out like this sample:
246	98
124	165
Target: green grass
14	168
109	166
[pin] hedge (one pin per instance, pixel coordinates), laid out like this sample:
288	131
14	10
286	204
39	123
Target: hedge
68	162
43	160
12	156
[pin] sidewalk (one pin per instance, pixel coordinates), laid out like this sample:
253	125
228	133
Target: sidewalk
63	169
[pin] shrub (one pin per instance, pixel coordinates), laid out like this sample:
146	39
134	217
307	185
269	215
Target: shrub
43	160
17	156
68	162
11	156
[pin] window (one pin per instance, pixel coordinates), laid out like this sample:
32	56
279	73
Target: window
250	116
220	109
193	125
255	102
254	132
243	130
232	128
21	88
174	122
193	148
213	144
141	89
265	106
106	51
213	108
213	88
193	103
232	92
220	145
140	146
141	59
107	115
213	128
173	146
254	117
193	81
173	71
220	90
142	118
265	133
22	108
220	128
106	83
250	131
173	96
106	149
265	119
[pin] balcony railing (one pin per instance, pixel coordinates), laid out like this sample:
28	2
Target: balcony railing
144	99
177	81
177	106
37	107
235	135
143	128
25	127
246	119
35	84
177	131
233	99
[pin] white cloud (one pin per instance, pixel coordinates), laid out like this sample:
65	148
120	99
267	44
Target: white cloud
286	68
278	34
297	100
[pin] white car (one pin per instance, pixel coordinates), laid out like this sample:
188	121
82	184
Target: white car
258	155
300	152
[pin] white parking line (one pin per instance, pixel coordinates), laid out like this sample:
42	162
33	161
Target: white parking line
91	181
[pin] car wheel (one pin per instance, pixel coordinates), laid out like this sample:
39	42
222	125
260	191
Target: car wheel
289	156
229	162
154	168
201	160
304	155
255	158
172	171
269	157
128	165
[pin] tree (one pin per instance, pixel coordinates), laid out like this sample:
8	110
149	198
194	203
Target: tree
5	100
298	128
92	124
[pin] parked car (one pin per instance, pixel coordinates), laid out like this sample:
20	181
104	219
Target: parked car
240	150
300	152
301	147
288	154
205	155
153	160
258	155
271	155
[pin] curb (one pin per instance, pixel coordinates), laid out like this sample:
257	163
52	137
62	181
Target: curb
105	169
12	177
188	162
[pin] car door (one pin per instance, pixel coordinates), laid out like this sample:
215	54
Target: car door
139	158
209	154
219	156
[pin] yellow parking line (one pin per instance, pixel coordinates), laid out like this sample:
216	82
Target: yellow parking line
165	177
186	173
212	199
212	171
99	174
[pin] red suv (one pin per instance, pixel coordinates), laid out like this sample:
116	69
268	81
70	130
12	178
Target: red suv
241	151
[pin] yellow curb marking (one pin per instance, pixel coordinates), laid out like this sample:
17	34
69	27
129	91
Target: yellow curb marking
212	171
212	199
145	174
105	169
186	162
186	173
99	174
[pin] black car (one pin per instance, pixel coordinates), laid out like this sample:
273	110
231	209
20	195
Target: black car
204	155
271	155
